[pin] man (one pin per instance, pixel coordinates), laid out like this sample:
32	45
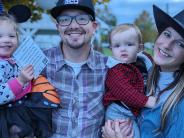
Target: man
77	72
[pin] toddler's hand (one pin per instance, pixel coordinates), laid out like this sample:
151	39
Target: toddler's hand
151	102
26	75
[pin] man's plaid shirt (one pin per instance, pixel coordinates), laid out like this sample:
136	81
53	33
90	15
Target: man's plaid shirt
82	112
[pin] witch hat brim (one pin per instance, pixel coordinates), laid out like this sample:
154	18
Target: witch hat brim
163	20
21	12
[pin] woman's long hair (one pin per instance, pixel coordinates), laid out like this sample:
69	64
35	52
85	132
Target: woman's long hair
173	99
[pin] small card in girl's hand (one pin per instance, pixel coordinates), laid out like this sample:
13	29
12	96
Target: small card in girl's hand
29	53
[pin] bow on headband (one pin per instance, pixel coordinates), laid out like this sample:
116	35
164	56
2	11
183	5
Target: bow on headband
21	12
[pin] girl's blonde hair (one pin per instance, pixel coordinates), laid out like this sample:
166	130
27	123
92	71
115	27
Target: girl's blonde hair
10	19
123	27
174	98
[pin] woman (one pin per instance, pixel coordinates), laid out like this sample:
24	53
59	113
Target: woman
166	81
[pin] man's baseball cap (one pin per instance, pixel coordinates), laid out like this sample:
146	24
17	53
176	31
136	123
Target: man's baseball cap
84	5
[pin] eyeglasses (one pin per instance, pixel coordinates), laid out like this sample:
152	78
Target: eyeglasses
80	19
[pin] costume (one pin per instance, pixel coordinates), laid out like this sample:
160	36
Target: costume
151	122
149	119
30	111
28	107
81	89
82	113
8	72
125	83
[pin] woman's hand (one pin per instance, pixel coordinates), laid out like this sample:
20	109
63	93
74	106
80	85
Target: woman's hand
117	129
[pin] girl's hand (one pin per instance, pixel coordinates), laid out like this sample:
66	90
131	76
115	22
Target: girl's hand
26	75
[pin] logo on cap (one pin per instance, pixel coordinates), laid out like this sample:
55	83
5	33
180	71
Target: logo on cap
71	1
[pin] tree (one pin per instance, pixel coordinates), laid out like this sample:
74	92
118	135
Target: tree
106	15
147	27
36	10
101	1
108	20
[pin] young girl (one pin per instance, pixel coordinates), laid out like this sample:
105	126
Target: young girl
24	115
125	82
166	81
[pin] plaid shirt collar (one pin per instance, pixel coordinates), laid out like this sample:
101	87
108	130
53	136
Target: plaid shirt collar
91	63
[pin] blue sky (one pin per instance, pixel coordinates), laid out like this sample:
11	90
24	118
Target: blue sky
128	10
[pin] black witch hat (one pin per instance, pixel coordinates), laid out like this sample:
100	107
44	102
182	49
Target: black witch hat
163	20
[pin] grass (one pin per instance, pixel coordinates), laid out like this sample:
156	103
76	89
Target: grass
106	51
149	51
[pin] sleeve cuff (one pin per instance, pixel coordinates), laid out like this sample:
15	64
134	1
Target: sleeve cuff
24	91
15	86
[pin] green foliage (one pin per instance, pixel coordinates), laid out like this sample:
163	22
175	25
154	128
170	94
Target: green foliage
105	14
106	51
104	38
101	1
148	30
149	51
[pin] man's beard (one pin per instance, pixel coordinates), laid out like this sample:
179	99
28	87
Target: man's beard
76	45
79	45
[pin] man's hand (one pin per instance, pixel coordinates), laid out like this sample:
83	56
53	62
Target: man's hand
117	129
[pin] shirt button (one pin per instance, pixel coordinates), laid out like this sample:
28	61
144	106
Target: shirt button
73	100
